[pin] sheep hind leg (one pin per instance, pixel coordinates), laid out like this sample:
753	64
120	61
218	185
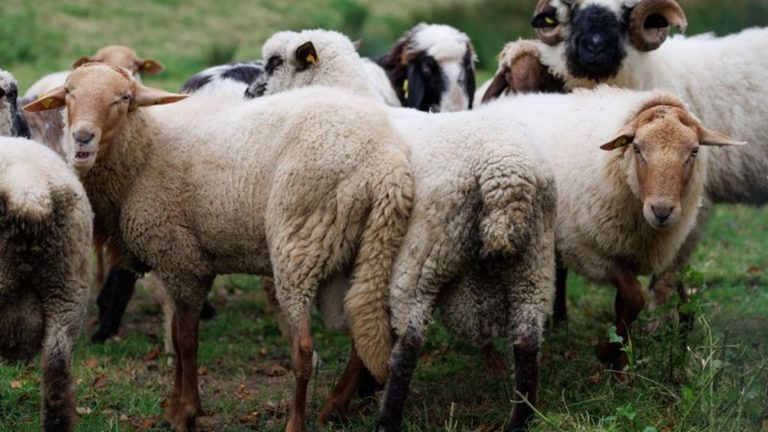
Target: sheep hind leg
405	357
301	354
337	406
560	312
187	326
526	352
58	402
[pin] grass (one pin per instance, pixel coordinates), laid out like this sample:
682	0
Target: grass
717	383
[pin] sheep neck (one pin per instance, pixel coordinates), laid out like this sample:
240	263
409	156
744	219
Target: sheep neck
113	175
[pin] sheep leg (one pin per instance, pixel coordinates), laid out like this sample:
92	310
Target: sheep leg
404	359
526	351
62	330
560	313
337	406
112	301
301	354
629	302
273	306
495	362
173	404
100	266
187	326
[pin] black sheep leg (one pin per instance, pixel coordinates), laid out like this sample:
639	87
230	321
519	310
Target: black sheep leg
404	358
112	301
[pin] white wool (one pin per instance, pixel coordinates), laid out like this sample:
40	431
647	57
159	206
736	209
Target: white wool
440	41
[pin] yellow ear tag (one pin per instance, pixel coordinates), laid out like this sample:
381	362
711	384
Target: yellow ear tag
147	64
46	102
405	88
311	59
549	20
620	142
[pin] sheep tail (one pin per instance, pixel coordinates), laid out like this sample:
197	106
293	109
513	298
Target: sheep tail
27	197
508	208
367	301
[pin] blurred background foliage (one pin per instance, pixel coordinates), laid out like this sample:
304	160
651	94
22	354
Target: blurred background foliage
188	35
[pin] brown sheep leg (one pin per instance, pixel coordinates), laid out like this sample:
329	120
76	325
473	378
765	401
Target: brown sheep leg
173	404
302	370
629	302
337	406
187	324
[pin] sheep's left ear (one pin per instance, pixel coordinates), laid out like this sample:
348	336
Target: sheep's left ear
81	61
146	96
149	66
52	100
708	137
306	56
625	136
357	44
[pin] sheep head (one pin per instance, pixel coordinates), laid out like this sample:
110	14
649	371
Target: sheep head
665	139
596	35
432	68
98	98
124	57
521	71
12	122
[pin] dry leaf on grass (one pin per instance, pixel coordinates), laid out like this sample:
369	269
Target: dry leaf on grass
99	382
92	362
595	378
15	384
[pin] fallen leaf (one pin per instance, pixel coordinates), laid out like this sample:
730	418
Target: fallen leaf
263	352
15	384
753	270
81	411
252	418
91	362
203	371
123	418
154	354
275	370
148	423
571	354
595	378
99	382
485	427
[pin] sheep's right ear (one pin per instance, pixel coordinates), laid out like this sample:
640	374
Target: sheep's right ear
498	86
625	136
150	66
81	61
306	56
357	44
147	96
52	100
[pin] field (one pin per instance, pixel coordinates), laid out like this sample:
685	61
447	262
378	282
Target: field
715	380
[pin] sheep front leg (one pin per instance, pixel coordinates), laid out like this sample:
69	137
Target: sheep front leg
301	355
628	305
405	357
560	313
112	301
185	404
58	402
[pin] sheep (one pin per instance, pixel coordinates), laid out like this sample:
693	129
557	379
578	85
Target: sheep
232	78
303	189
480	242
45	242
12	122
623	43
431	68
118	55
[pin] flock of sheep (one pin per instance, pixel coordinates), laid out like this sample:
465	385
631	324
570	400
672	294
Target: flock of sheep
305	168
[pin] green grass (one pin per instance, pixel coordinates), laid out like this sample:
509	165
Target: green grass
717	384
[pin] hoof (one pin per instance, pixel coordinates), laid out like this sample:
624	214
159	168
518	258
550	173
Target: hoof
295	427
101	336
332	414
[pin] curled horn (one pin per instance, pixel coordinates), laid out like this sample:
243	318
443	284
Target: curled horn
549	35
647	34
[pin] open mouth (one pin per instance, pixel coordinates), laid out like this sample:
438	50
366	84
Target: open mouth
82	157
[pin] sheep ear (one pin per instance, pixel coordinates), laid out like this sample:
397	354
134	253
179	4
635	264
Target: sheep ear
414	87
498	86
53	100
624	137
81	61
708	137
150	66
357	44
146	96
306	56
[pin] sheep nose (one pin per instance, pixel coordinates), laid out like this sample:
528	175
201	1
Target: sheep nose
662	212
82	137
595	44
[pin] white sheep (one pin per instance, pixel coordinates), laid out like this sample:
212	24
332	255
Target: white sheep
480	242
303	189
117	55
720	78
45	243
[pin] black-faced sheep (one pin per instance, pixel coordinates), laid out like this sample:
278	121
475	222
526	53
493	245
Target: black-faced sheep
12	121
307	186
45	243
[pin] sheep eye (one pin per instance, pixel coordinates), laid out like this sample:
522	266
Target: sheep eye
273	63
694	152
636	148
127	98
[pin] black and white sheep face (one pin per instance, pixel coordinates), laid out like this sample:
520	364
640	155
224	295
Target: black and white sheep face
290	63
12	122
432	69
595	36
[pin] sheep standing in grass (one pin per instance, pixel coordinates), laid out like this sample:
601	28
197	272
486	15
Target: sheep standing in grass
624	44
45	242
303	187
480	242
